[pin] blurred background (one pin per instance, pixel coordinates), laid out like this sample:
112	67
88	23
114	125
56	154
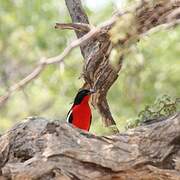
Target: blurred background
27	34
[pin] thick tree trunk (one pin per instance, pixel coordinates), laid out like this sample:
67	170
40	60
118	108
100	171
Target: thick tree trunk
40	149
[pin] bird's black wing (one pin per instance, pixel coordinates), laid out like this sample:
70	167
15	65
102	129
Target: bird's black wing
69	116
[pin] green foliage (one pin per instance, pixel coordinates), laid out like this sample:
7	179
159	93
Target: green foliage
162	108
27	34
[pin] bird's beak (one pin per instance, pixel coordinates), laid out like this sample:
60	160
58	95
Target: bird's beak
92	91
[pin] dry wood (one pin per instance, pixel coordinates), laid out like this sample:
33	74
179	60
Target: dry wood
40	149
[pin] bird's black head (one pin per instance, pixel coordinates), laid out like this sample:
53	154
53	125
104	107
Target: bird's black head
81	95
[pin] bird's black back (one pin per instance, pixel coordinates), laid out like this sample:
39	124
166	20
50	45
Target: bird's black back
80	95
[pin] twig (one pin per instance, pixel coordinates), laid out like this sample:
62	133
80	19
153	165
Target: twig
44	62
161	27
74	26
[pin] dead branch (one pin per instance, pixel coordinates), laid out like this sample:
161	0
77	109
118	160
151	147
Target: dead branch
40	149
81	27
44	62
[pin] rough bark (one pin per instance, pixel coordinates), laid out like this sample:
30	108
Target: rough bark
78	15
40	149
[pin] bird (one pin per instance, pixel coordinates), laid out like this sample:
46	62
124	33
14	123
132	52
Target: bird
80	113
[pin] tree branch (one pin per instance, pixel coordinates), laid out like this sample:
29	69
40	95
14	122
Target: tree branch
90	53
40	149
44	62
80	27
78	15
96	52
93	32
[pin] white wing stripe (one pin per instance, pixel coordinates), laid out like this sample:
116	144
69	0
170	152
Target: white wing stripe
68	116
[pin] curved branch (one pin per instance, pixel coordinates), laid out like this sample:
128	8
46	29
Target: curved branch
44	62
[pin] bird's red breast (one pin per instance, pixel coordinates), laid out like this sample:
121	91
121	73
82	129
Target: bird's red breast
80	114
